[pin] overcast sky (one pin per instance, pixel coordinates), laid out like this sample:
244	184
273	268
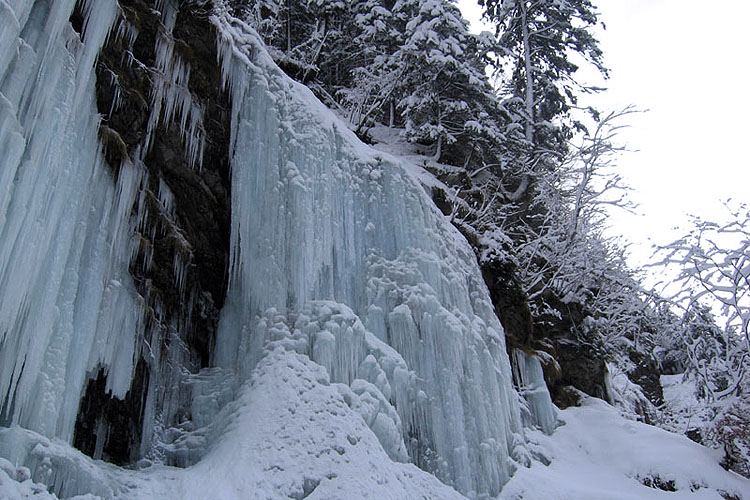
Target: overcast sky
686	61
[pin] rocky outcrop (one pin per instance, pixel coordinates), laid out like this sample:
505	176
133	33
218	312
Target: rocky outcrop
646	374
565	338
573	361
183	212
510	302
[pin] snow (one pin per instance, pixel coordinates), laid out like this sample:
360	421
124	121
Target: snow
599	454
289	434
295	435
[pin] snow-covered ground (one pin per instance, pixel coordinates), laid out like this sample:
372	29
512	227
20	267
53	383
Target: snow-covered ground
599	455
294	435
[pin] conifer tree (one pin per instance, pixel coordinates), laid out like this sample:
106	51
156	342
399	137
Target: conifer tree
444	90
535	39
379	33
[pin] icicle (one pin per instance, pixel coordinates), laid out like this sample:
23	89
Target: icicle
127	32
66	300
166	199
171	98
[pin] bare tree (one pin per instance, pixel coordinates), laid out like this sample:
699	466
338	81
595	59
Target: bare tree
564	243
714	263
591	171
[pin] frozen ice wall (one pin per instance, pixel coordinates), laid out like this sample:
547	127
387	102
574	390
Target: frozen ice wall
342	246
71	226
67	303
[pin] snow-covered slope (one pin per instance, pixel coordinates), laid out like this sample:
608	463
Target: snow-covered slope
598	455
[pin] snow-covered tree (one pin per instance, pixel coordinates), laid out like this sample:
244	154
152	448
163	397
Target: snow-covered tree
560	237
716	356
713	260
535	42
445	92
375	79
714	263
263	15
300	34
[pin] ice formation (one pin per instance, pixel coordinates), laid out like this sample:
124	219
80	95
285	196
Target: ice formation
67	304
345	281
343	224
529	378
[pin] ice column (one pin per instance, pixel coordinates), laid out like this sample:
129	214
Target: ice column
529	378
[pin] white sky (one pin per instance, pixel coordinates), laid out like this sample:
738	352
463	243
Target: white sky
686	61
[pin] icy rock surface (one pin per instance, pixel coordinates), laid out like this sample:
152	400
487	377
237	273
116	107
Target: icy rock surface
319	217
69	309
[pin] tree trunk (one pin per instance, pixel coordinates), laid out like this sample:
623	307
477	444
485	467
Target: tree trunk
288	27
529	98
439	148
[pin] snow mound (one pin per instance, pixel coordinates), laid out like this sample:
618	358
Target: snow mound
598	455
290	434
295	435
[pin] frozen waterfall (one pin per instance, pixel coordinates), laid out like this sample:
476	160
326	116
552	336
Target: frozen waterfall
67	304
318	217
350	295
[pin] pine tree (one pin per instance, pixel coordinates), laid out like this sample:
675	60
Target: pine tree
445	92
300	35
379	33
263	15
535	39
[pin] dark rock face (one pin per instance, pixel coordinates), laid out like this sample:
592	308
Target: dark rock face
510	303
580	368
646	375
181	265
107	427
580	363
